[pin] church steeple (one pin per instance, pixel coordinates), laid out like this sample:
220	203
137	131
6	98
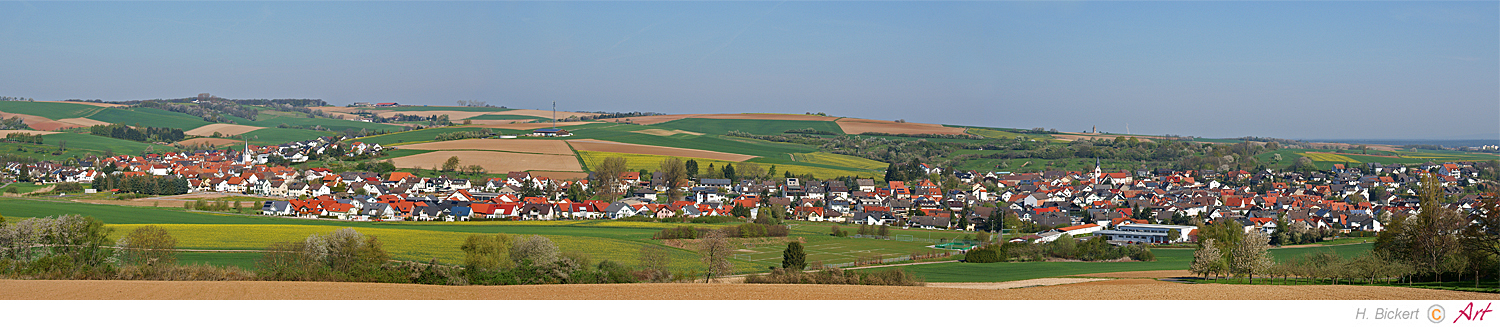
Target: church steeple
1098	173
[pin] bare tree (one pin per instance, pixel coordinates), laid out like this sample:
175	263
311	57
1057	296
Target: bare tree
715	250
750	170
653	262
608	176
674	174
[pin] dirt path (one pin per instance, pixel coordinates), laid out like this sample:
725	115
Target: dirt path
1119	289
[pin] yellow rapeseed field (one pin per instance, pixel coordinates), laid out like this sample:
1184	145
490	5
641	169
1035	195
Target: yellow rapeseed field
1328	157
840	160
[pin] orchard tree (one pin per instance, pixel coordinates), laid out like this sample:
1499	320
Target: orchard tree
451	164
1206	259
1252	255
715	250
487	252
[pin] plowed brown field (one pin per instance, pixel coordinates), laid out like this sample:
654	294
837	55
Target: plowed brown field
512	145
22	131
40	123
1125	289
81	121
224	129
857	126
494	162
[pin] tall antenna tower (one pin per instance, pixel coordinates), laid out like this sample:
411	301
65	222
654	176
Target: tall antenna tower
554	114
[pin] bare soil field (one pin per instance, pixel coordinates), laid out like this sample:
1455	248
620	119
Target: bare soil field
82	121
607	146
496	162
27	132
223	129
858	126
651	120
531	126
106	105
663	132
1122	289
511	145
40	123
208	140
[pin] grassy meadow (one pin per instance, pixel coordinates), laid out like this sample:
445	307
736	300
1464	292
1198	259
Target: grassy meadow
1166	259
148	117
51	110
752	126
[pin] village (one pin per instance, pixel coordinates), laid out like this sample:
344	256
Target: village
1145	206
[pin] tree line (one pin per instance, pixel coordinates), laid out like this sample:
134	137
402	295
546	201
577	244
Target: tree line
142	184
24	138
138	134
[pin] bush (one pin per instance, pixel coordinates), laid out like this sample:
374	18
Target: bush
713	220
892	277
674	233
985	254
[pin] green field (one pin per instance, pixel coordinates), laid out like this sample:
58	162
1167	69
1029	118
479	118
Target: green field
276	118
23	188
635	162
1166	259
421	135
752	126
601	239
51	110
244	260
79	145
1325	159
274	136
624	134
149	117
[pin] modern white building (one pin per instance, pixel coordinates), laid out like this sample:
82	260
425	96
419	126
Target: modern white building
1148	233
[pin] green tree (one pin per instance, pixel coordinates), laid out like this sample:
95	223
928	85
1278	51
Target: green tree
692	168
487	252
451	164
729	172
793	257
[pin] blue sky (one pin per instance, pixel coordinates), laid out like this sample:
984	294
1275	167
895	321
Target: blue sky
1211	69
